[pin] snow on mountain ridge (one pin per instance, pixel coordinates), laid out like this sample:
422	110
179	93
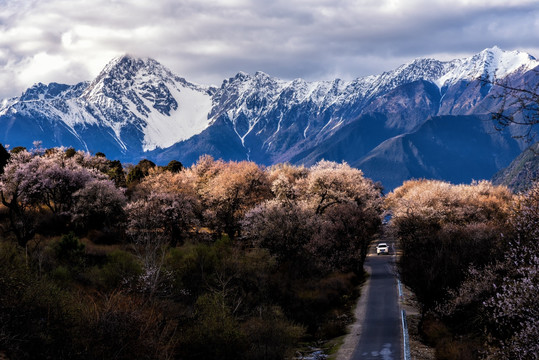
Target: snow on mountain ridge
129	92
245	99
172	108
143	96
492	64
190	119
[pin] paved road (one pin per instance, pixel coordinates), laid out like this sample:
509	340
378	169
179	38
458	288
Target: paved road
381	330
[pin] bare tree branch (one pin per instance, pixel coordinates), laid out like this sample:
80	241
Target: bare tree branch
519	105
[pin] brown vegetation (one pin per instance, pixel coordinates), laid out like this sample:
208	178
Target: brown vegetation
469	253
216	261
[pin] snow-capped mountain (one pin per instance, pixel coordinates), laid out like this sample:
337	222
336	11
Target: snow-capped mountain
274	120
137	108
490	64
136	103
129	90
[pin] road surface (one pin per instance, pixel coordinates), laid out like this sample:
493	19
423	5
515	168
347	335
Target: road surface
381	328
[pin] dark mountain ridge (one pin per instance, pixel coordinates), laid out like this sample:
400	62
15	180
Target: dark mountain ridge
521	172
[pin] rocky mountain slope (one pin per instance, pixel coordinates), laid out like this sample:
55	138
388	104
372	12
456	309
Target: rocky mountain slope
521	172
131	107
137	108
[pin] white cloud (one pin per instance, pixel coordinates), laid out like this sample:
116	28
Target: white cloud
209	40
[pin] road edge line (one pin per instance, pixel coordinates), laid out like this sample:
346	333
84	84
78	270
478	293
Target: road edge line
348	347
406	341
405	336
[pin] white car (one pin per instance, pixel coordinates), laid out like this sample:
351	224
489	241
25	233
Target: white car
382	248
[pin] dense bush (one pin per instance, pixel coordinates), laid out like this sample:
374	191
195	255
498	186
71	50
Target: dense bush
231	260
443	229
70	188
70	251
219	260
321	220
121	271
4	157
512	307
470	254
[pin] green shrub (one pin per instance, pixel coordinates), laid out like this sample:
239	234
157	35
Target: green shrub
139	171
70	251
270	336
62	275
191	266
214	334
17	149
14	273
70	152
174	166
119	326
35	313
122	269
4	157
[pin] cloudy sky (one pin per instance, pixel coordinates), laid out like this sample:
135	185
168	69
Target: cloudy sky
206	41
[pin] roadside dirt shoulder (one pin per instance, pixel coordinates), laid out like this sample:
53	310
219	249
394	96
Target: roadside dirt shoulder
418	350
354	330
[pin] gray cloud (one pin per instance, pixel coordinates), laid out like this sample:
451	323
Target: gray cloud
207	41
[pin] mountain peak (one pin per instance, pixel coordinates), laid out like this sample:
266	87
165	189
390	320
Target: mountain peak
493	49
497	51
242	75
122	72
261	74
491	63
126	65
509	60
